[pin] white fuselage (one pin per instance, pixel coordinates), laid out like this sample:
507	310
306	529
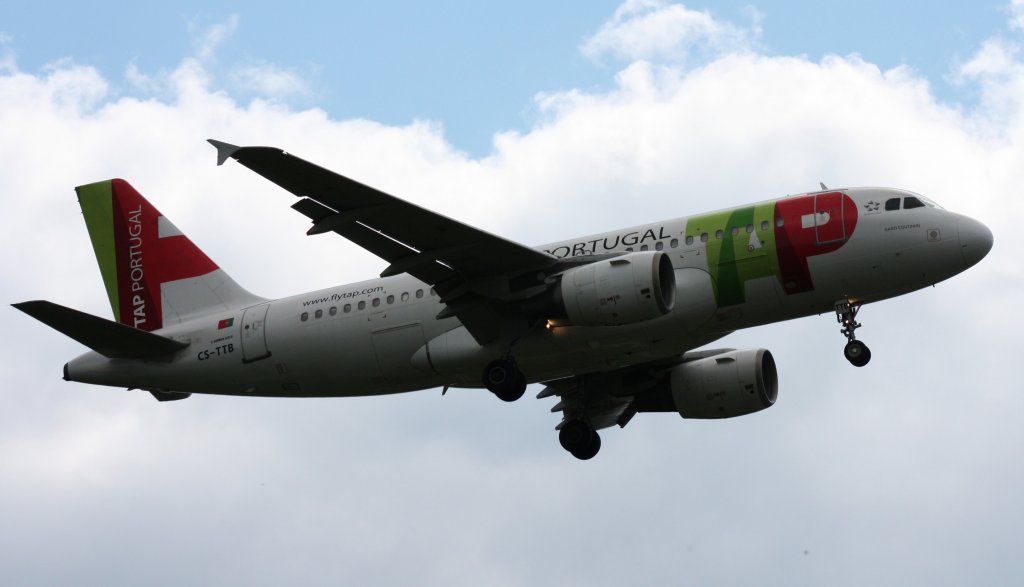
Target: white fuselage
383	335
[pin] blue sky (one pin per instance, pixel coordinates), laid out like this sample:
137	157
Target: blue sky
905	472
475	67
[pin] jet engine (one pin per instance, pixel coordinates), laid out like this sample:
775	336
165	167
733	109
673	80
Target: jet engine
733	383
622	290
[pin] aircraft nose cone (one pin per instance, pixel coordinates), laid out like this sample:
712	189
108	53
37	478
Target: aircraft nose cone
975	240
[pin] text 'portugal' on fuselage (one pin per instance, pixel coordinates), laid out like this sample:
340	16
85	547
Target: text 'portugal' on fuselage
608	322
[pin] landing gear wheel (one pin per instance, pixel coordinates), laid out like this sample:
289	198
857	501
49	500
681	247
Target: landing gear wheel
591	450
580	439
516	391
857	353
505	380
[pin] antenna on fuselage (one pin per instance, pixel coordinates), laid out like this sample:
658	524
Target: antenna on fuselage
824	187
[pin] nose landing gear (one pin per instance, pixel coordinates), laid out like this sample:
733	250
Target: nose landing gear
855	351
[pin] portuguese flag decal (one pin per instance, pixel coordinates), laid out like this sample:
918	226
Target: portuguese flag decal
225	323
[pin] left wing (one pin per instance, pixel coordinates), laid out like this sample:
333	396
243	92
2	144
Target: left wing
472	270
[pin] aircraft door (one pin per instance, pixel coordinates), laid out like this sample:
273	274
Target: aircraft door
254	333
395	347
829	218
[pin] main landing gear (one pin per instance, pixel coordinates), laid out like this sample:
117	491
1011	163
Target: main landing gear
502	378
580	439
856	352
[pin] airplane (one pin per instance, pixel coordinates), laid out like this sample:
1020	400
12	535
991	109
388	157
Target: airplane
613	324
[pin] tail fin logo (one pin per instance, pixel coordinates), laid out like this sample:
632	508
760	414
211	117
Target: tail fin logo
136	274
138	250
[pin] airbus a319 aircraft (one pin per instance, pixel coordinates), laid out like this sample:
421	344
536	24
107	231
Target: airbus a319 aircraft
607	322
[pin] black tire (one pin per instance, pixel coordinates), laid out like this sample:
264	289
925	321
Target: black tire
498	375
575	435
591	450
857	353
580	439
516	391
503	379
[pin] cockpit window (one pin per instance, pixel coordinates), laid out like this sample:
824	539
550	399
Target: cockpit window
892	204
912	202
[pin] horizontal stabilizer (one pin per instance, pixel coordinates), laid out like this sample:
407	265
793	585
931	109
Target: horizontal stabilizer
108	338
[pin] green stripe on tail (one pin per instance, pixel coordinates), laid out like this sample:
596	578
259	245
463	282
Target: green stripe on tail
97	201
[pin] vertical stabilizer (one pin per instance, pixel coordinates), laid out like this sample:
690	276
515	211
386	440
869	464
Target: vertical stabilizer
154	275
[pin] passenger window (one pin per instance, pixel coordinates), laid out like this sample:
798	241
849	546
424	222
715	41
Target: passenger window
673	243
405	296
750	228
659	246
432	292
304	316
719	234
735	230
892	204
362	305
703	237
764	225
629	249
375	302
644	247
391	299
689	240
419	294
780	222
319	314
912	202
347	308
333	311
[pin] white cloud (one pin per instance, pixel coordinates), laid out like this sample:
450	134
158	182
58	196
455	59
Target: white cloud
908	463
659	29
1017	14
267	79
207	40
140	82
8	64
196	73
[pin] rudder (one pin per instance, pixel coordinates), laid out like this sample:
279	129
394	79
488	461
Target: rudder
154	275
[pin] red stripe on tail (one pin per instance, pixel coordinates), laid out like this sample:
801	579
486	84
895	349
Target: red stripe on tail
145	261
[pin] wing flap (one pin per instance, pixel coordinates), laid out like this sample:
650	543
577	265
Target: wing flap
585	397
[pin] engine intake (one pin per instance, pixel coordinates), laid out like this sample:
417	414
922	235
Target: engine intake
734	383
623	290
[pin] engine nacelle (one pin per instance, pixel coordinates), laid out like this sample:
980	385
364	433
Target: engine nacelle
623	290
734	383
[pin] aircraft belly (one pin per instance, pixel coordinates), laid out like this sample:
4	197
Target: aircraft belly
560	351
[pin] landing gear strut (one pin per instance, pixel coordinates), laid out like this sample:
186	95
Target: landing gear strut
502	378
856	352
580	439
